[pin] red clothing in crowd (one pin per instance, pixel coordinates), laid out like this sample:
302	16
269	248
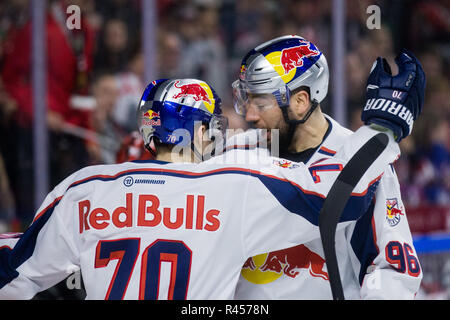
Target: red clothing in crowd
63	68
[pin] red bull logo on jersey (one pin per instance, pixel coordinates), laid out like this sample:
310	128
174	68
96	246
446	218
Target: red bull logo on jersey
146	210
393	212
151	118
268	267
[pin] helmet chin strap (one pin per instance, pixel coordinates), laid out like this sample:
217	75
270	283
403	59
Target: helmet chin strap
198	157
294	123
284	110
151	148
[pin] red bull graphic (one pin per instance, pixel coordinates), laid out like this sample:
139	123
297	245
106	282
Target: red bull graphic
285	164
293	57
242	72
194	90
151	118
393	212
287	261
249	264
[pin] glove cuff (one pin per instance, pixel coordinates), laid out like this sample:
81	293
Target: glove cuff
397	130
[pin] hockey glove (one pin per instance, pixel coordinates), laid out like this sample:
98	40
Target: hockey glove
395	102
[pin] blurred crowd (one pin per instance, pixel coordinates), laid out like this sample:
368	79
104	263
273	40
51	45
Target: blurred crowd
95	77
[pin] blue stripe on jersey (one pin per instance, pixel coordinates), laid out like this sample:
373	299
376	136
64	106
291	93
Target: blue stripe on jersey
150	161
11	259
363	242
7	273
171	173
309	205
326	152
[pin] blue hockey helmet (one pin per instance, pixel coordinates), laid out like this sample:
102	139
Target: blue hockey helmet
170	108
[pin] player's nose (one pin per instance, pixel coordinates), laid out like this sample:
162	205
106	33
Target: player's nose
252	113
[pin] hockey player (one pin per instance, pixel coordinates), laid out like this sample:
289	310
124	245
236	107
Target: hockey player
178	229
281	85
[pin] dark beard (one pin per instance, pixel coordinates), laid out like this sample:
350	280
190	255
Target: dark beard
285	134
285	139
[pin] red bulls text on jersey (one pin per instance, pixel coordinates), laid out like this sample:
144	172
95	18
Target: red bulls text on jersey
150	213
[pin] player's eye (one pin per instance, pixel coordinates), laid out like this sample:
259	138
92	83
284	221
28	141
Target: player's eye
263	107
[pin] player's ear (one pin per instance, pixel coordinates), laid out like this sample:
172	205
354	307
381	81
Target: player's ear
199	132
299	103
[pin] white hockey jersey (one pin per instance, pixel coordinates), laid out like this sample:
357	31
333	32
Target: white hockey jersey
153	230
376	255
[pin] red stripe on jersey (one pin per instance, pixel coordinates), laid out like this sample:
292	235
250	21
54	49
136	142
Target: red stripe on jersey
328	150
46	208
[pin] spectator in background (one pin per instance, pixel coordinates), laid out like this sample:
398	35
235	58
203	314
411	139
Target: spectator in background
308	18
130	87
359	60
132	148
430	162
112	52
428	23
127	11
204	55
69	60
109	133
438	192
247	15
169	54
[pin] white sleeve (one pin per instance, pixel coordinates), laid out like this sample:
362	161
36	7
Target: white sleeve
9	240
394	271
44	255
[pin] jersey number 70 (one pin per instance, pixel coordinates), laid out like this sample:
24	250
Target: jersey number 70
127	250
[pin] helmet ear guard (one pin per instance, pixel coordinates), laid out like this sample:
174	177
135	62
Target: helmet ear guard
283	96
217	126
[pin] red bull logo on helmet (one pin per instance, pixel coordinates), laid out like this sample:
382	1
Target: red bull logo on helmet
194	90
290	60
151	118
268	267
198	91
293	57
242	72
393	212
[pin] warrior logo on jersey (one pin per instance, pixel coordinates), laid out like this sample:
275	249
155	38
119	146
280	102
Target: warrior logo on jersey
393	212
